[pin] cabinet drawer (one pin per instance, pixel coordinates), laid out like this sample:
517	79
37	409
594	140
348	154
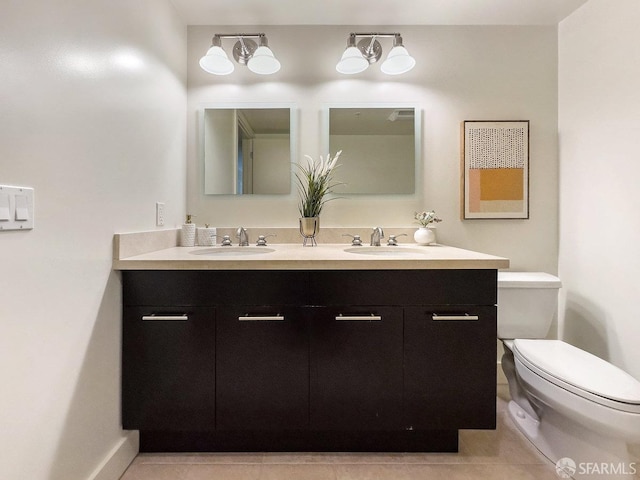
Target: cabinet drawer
356	368
218	287
404	287
450	367
168	379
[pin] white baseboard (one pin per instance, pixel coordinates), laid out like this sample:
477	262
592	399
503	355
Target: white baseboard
119	458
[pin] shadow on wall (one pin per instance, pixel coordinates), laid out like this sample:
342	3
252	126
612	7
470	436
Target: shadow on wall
585	326
91	417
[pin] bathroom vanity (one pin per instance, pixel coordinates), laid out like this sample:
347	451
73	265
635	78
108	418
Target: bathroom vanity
308	349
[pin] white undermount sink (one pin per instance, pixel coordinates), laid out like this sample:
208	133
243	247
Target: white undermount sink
232	251
388	251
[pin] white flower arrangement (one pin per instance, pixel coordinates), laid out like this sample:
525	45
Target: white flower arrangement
426	218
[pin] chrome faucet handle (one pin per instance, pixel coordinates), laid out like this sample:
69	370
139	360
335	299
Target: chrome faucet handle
376	235
393	239
262	239
356	242
243	237
226	241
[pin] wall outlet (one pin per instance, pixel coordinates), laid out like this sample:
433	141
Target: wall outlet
159	214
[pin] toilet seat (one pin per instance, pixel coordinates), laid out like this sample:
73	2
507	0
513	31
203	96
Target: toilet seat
580	372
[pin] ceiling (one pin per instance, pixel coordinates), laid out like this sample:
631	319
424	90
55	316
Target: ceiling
375	12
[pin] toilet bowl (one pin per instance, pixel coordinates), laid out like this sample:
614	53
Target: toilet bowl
567	402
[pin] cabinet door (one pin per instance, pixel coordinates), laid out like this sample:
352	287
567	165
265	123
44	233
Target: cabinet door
356	368
168	377
450	367
262	368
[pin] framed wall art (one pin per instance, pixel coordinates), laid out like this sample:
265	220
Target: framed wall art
495	169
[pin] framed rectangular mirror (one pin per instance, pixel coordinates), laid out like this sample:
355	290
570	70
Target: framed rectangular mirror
380	147
247	150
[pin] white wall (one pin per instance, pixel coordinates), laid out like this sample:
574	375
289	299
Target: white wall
463	73
270	164
93	117
599	125
382	163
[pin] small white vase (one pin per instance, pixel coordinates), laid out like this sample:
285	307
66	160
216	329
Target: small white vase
424	236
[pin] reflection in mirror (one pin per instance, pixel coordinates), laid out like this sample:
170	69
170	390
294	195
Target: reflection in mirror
379	148
247	150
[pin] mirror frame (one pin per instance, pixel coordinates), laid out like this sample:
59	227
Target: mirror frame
293	140
417	125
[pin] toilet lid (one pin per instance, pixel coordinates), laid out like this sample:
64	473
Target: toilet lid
580	372
527	280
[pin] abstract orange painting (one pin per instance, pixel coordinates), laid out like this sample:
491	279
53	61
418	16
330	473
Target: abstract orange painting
495	167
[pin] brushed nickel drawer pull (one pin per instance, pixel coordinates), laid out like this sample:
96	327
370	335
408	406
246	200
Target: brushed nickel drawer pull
359	318
466	316
171	318
262	318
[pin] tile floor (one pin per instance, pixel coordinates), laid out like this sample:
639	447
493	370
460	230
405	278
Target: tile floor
492	455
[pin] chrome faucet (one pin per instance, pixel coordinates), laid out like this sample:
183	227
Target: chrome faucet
244	238
376	235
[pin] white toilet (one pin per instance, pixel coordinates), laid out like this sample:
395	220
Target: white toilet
580	411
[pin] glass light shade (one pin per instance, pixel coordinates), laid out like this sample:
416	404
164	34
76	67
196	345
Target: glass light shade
398	61
263	62
217	62
352	62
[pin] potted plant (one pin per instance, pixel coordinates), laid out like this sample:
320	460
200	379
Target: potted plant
425	235
315	181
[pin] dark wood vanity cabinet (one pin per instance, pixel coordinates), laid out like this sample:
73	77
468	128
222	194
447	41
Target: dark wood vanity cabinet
393	360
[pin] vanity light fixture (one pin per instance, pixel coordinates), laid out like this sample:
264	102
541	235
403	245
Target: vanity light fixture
357	57
258	58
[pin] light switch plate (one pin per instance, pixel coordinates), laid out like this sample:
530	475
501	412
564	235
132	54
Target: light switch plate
5	207
20	208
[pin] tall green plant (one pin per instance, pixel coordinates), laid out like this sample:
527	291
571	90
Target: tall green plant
315	182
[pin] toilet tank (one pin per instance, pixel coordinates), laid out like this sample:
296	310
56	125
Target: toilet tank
527	303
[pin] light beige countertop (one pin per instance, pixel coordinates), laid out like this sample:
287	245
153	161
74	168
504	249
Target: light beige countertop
290	256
